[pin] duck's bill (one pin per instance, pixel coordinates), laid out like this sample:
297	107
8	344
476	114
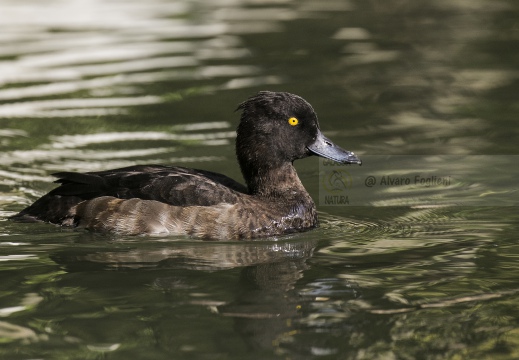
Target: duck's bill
325	148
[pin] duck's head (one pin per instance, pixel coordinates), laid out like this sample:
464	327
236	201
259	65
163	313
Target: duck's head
277	128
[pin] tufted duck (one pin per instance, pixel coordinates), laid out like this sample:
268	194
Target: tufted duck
275	129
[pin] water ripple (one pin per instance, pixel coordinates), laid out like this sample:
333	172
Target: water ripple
106	48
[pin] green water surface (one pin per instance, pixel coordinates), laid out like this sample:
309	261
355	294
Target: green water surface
94	85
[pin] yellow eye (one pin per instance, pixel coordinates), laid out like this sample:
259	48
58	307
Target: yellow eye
293	121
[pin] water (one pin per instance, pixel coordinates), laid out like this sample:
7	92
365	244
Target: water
90	85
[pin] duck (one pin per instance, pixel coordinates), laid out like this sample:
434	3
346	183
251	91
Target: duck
275	129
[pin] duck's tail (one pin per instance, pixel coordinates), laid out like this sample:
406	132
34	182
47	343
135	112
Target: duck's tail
55	206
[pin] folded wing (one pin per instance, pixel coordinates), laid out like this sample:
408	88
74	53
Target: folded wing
170	185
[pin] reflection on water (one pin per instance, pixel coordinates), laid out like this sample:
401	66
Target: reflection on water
107	48
90	85
193	255
72	151
431	75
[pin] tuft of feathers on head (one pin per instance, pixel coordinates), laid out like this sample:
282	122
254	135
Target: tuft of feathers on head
272	104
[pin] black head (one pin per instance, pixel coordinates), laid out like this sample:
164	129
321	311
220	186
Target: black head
277	128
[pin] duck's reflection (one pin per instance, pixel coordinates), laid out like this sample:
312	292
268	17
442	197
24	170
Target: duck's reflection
195	255
265	302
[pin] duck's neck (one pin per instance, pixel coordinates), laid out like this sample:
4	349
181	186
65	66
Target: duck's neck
274	181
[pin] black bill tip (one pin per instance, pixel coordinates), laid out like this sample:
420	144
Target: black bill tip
324	147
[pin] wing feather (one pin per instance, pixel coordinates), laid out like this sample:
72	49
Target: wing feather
175	185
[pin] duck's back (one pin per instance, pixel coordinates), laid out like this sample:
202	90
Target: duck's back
177	186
